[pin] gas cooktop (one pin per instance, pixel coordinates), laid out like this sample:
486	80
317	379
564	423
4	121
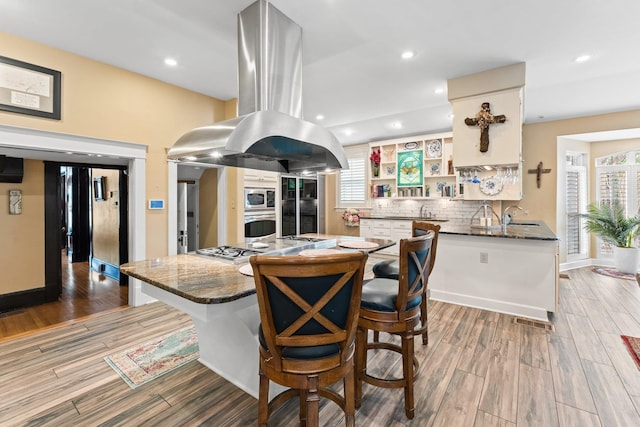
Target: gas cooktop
227	252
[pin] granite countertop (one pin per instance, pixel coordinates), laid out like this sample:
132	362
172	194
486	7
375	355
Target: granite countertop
208	280
525	229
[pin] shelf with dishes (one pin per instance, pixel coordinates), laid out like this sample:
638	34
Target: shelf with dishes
404	168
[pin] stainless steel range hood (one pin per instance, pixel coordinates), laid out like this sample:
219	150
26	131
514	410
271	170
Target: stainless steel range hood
269	132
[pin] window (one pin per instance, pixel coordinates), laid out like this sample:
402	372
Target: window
576	202
618	183
352	182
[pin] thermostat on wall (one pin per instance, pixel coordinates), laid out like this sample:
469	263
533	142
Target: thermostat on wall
156	204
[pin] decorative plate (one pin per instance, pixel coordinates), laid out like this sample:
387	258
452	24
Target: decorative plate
246	269
434	148
435	169
410	145
319	252
357	244
440	186
491	185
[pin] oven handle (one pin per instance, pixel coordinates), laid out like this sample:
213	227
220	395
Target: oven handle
252	218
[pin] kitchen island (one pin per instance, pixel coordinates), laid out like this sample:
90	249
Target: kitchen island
512	269
222	302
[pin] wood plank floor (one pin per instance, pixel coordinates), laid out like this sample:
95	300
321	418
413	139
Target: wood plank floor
84	293
479	369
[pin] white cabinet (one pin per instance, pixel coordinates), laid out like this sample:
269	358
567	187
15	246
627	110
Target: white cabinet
260	178
505	139
386	229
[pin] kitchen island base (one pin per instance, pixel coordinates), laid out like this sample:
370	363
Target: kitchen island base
227	337
513	276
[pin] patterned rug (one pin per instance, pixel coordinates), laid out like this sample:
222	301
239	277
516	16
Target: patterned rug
145	362
633	345
612	272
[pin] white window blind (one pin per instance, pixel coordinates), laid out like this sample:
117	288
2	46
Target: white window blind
573	210
353	182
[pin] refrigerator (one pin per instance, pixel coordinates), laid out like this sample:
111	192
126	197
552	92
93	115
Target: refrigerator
302	205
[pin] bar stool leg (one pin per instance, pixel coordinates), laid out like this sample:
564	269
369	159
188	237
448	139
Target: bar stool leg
361	363
407	370
313	402
263	400
349	398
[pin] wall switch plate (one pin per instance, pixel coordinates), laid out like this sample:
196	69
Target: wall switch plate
484	258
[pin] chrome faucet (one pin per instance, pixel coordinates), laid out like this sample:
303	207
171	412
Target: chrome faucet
506	218
422	212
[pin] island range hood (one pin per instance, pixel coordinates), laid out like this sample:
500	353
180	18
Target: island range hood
269	133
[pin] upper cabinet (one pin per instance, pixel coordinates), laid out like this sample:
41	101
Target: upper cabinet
504	136
260	178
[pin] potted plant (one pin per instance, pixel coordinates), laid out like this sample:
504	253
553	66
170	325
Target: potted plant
612	225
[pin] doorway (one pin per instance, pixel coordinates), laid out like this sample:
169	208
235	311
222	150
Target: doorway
73	221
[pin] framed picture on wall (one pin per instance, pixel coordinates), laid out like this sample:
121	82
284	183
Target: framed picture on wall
99	188
29	89
410	168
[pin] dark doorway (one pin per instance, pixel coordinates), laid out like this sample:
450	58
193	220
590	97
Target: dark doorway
68	220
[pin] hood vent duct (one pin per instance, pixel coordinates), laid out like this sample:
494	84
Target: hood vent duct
269	132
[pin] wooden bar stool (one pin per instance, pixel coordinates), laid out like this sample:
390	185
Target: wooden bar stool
393	306
309	310
389	269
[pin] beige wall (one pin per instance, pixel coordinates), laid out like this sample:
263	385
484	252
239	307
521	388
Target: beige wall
540	144
102	101
22	249
208	200
105	217
334	223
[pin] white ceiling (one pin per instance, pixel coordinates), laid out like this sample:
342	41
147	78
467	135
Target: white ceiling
353	73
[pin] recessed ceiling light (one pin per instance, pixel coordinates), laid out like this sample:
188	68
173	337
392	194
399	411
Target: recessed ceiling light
583	58
348	132
170	62
216	154
438	91
190	158
396	125
408	54
319	117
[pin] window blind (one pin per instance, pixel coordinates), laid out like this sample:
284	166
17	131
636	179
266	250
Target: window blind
573	210
353	182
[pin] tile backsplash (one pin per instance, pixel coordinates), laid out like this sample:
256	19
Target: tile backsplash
456	211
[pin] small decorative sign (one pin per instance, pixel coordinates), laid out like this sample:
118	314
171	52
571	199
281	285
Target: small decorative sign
15	202
29	89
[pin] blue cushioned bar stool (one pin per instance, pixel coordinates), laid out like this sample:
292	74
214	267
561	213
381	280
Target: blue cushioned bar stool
393	306
309	310
389	269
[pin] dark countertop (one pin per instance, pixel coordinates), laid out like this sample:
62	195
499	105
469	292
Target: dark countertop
525	229
207	280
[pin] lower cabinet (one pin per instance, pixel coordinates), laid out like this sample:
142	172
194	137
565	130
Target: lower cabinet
386	229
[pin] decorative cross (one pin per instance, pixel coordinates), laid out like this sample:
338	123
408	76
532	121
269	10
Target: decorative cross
483	119
539	171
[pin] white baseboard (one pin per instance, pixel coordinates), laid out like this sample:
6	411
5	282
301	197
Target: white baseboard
587	262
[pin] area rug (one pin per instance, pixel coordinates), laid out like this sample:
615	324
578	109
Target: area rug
150	360
633	345
612	272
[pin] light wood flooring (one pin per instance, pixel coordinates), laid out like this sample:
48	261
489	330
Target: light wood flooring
479	369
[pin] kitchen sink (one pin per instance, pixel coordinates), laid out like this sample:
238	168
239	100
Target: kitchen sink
535	224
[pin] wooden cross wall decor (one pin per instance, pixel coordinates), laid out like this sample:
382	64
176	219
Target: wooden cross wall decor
483	119
539	171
